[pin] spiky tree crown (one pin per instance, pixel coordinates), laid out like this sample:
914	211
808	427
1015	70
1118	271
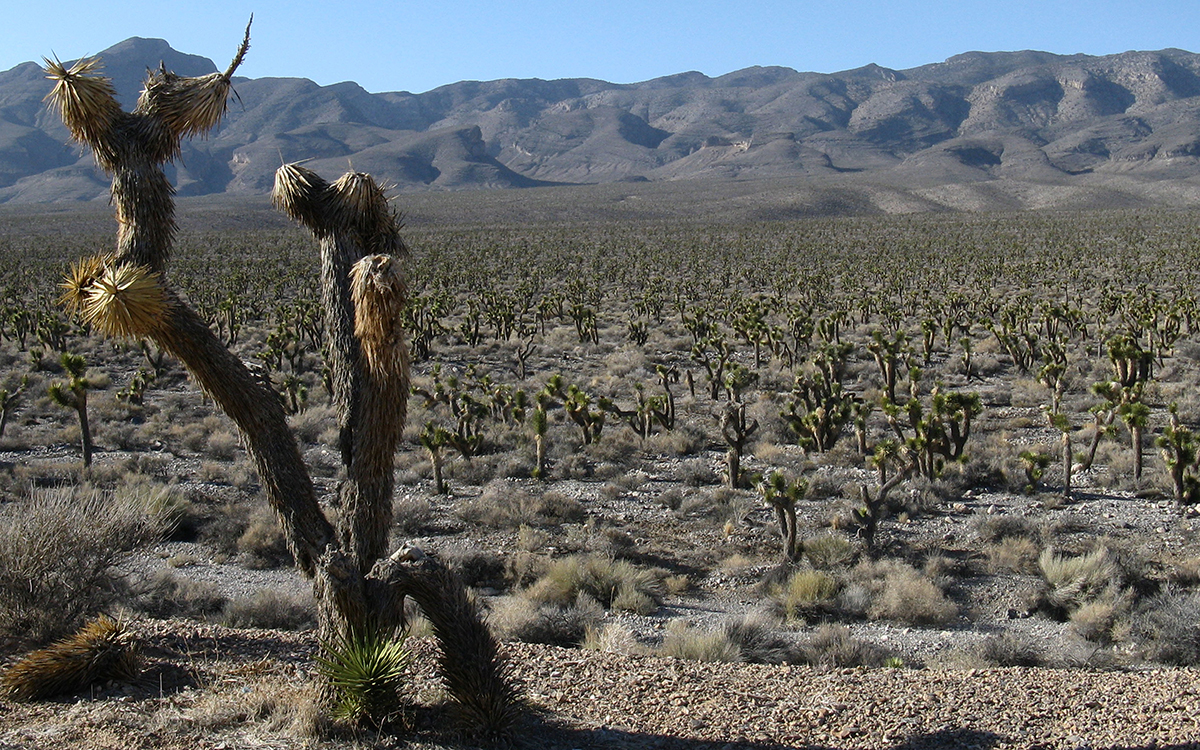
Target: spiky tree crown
354	204
86	101
117	299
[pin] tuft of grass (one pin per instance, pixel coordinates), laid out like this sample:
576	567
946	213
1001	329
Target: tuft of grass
504	504
613	638
829	551
1015	554
165	594
901	593
758	641
1168	627
684	641
272	610
1006	649
517	618
1071	582
615	584
805	593
832	646
262	543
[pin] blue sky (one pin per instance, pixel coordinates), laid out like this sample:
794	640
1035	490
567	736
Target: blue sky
410	46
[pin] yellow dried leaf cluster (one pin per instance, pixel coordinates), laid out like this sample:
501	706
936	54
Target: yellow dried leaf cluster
378	292
116	299
86	100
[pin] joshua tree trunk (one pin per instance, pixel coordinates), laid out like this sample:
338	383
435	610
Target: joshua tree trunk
1135	434
1066	463
435	460
786	515
85	430
126	294
737	433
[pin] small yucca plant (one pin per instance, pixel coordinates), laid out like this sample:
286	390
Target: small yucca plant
366	670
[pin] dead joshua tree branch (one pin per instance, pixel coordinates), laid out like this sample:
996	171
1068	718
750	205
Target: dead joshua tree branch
125	293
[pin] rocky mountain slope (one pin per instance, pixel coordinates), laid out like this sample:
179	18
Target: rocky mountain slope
1030	118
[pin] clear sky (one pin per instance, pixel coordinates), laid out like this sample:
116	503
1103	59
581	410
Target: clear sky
400	45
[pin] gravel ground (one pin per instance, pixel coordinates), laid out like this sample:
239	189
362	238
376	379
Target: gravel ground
213	688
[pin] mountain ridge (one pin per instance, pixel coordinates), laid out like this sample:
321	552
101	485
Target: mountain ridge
1123	122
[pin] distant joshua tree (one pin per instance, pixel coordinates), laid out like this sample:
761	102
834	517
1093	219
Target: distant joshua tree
359	588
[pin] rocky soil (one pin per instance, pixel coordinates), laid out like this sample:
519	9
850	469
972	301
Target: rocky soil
212	688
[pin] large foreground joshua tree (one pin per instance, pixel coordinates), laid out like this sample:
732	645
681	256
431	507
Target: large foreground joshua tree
358	586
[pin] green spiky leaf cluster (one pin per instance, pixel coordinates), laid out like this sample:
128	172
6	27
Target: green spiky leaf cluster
367	671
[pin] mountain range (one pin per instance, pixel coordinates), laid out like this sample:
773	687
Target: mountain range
974	131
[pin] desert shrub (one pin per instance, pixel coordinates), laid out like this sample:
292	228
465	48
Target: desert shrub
671	499
1168	627
519	618
477	472
505	504
758	641
614	543
806	593
997	527
834	646
262	544
697	473
222	445
411	514
615	584
685	440
574	465
614	638
165	594
1103	620
1007	650
476	567
311	424
531	539
899	592
273	610
721	504
684	641
1185	573
1014	554
58	550
1071	582
828	551
617	446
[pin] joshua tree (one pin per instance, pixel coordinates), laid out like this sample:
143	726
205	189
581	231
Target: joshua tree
72	394
781	495
541	425
1179	452
8	400
737	433
359	588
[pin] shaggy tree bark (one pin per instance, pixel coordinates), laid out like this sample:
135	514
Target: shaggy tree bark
126	293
